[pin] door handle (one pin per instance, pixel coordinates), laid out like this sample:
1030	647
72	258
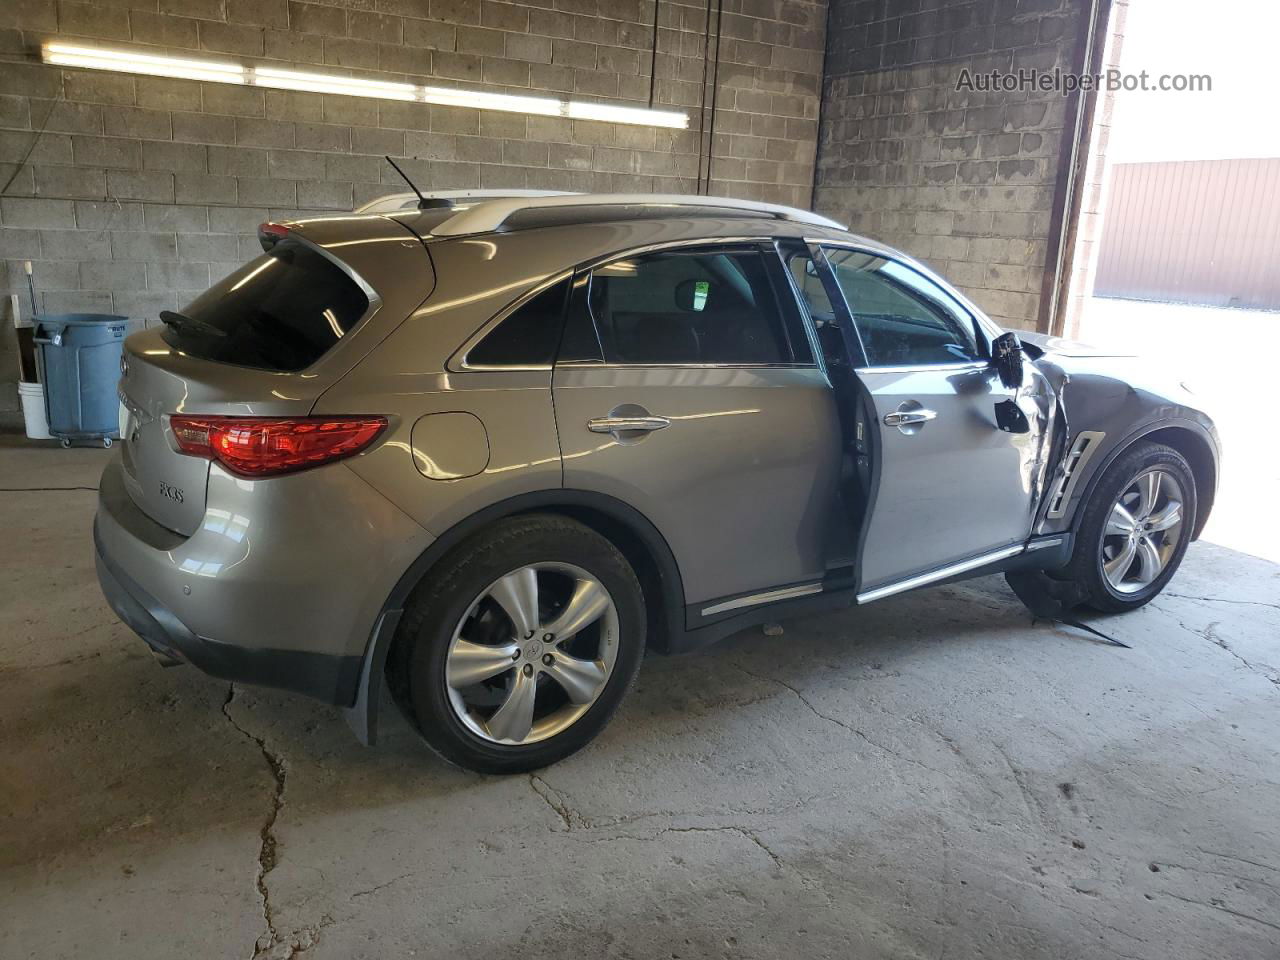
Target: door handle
907	418
627	424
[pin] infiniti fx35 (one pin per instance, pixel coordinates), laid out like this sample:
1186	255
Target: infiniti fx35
491	449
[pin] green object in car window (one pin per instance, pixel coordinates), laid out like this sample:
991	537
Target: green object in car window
700	290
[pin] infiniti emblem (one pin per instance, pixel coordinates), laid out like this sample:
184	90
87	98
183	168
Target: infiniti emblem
533	650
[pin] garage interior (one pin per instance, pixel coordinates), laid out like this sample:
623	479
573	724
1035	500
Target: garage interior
928	776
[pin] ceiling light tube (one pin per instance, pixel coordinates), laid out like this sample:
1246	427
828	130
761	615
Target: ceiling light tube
511	103
214	71
330	83
612	113
124	61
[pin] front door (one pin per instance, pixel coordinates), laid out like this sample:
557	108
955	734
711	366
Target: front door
687	388
950	485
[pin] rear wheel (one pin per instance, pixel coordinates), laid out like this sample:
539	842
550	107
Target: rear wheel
523	648
1135	528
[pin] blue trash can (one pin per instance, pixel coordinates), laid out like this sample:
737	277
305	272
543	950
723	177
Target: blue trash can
80	370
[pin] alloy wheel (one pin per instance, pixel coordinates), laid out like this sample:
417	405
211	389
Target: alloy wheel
1142	531
532	653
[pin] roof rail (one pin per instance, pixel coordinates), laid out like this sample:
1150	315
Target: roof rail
489	216
409	201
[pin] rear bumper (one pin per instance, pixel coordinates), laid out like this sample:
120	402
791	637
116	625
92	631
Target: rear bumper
327	677
281	585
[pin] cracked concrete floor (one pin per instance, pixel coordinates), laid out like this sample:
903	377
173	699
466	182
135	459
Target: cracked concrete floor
925	777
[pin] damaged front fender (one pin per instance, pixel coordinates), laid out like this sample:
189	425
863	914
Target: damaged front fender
1102	404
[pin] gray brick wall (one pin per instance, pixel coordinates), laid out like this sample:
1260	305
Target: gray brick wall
142	190
963	180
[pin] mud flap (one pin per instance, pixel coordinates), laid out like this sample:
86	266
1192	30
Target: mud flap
362	716
1053	600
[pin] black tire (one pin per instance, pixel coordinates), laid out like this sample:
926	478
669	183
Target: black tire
1085	567
440	603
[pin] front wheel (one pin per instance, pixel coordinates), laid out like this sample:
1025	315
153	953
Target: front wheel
522	649
1135	529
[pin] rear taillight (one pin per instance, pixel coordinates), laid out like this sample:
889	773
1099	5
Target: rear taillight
269	446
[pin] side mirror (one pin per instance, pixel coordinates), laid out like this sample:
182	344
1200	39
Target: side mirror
1006	357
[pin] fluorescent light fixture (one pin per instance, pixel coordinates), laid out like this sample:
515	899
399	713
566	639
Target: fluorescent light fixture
214	71
587	110
512	103
329	83
93	58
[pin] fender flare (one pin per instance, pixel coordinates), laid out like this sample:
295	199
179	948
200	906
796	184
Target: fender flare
362	715
1174	423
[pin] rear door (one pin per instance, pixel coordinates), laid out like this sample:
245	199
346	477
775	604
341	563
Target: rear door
687	388
950	485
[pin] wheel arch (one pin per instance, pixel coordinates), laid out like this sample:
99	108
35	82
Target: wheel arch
1187	437
1204	467
626	528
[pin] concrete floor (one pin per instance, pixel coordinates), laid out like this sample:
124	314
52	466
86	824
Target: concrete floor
925	777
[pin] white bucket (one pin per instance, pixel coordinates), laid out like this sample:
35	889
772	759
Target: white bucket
33	411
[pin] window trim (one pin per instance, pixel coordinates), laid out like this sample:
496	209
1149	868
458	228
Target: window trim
765	245
959	365
985	330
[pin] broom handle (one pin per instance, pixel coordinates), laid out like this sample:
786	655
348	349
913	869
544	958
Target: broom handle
31	286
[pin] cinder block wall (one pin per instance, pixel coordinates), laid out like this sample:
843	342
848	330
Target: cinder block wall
132	194
962	180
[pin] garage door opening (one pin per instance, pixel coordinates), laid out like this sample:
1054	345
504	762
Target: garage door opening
1178	240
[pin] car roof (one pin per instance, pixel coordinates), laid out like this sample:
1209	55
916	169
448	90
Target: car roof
451	214
575	231
586	231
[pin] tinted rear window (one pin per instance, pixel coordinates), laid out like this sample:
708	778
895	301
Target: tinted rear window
282	311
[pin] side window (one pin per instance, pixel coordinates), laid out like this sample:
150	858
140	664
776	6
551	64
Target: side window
902	316
529	336
711	305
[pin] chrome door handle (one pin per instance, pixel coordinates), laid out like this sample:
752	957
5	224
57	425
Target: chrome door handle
627	424
906	418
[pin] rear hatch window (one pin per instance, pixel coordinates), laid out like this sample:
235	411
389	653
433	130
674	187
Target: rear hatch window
282	311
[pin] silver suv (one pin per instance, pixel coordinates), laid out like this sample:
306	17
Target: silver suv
492	449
